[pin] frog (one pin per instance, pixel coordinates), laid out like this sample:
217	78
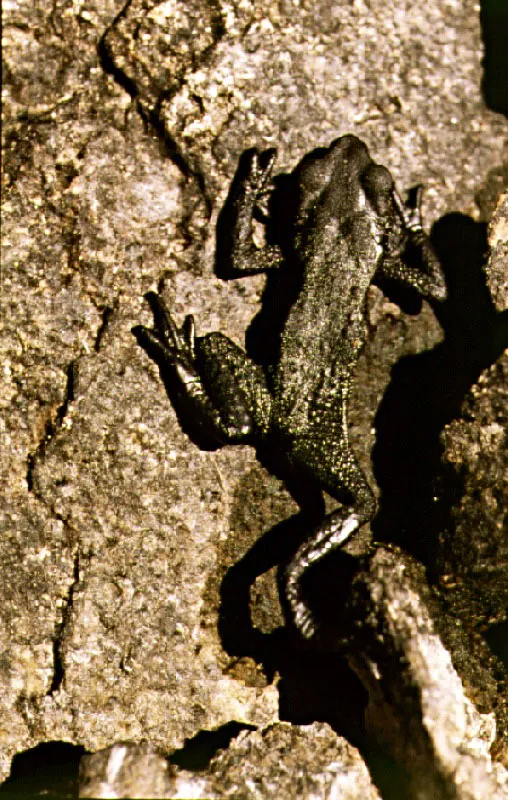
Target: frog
341	228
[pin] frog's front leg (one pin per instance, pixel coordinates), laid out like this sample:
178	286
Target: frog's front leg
428	280
224	393
331	534
237	254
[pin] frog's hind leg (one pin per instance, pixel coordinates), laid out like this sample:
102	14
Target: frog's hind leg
237	385
332	533
214	387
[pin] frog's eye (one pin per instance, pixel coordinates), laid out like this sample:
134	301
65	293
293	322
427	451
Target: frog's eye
377	180
378	185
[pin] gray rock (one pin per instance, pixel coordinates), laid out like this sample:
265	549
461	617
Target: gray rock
283	760
420	713
474	560
496	269
116	530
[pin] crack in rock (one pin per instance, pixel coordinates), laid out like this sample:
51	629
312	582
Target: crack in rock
53	425
60	632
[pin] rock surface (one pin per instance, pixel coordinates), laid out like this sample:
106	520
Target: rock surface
122	128
419	709
127	770
282	760
498	258
474	562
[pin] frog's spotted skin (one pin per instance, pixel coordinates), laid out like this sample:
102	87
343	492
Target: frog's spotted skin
344	229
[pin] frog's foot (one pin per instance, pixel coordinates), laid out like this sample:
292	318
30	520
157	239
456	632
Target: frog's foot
254	172
168	345
427	276
216	409
411	211
173	349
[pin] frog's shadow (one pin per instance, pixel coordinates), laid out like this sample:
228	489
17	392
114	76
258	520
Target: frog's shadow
426	392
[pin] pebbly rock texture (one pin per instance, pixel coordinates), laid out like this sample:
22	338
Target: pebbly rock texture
126	770
420	712
498	258
291	761
282	760
290	74
121	130
474	560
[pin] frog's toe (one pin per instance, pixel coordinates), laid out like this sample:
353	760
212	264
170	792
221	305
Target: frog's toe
165	326
256	167
248	170
159	351
188	333
413	208
166	343
304	621
266	160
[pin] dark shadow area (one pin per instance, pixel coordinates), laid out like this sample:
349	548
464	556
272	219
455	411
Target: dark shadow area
197	752
426	392
315	685
497	639
50	770
494	22
391	781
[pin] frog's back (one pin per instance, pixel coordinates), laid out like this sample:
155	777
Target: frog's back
337	242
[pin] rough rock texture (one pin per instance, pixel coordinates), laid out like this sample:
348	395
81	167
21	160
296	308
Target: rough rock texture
472	551
474	561
94	597
291	74
498	258
115	529
280	761
126	770
419	710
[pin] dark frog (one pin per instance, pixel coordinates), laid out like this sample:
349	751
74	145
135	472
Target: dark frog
340	227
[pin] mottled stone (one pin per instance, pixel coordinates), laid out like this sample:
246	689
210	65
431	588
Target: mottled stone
116	530
291	761
420	712
474	560
284	761
497	265
293	74
126	770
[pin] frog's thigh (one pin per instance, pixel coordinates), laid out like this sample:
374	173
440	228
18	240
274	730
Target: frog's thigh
347	474
234	383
